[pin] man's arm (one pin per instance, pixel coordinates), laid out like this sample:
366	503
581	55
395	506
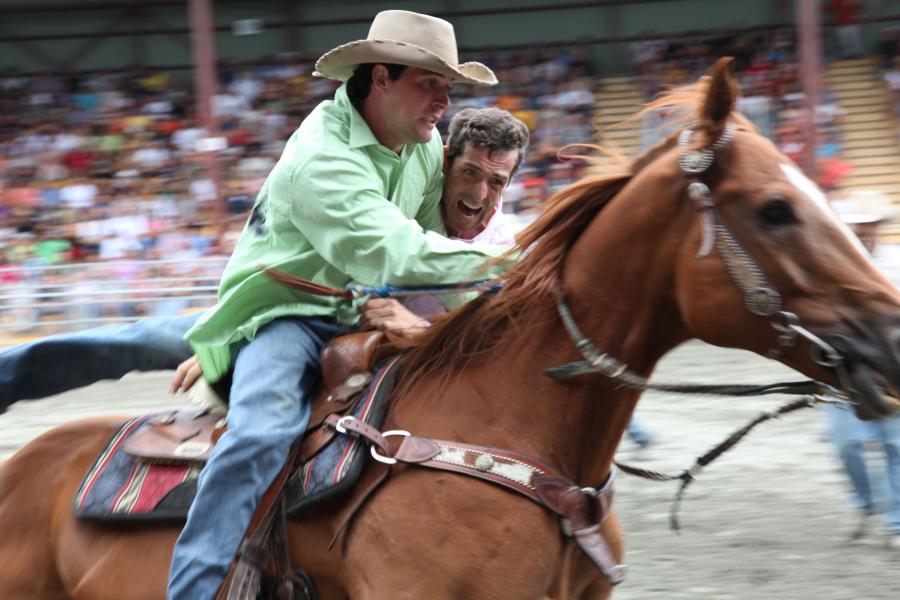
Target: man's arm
336	206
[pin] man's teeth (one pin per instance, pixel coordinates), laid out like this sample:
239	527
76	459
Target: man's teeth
471	206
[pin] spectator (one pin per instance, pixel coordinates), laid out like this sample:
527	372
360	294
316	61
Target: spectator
851	436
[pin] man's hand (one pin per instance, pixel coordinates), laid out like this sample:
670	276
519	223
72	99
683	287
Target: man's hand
389	315
186	375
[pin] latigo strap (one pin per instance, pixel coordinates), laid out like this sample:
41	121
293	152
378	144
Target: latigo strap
582	511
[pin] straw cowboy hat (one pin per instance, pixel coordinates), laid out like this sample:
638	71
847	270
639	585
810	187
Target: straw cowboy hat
865	206
405	38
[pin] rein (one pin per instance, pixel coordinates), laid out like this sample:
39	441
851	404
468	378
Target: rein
689	475
596	361
352	292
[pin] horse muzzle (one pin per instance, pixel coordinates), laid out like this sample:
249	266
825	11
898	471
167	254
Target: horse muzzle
869	369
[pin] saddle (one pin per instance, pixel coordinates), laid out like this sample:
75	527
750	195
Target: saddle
190	435
148	469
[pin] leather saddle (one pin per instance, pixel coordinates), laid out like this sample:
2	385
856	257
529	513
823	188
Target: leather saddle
190	435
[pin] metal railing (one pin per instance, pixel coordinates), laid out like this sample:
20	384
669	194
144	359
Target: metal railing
37	300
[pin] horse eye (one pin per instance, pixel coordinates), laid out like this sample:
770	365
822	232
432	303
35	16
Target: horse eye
777	212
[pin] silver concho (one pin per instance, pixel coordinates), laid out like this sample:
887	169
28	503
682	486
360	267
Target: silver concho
763	301
484	462
356	380
191	449
696	161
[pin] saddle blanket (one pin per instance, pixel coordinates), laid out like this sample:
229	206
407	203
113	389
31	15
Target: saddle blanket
122	487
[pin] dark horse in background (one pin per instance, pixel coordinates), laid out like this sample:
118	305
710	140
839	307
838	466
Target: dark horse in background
623	251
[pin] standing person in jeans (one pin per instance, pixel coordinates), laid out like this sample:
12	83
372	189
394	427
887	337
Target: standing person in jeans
865	213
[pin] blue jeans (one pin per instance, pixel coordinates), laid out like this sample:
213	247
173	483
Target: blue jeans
849	434
275	376
63	362
637	433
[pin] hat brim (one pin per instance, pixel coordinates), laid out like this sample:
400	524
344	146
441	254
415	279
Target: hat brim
340	63
864	218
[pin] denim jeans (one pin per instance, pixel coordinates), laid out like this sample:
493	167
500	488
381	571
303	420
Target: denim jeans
849	434
67	361
275	376
637	433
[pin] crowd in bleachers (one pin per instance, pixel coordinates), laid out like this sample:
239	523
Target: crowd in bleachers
107	166
772	95
110	166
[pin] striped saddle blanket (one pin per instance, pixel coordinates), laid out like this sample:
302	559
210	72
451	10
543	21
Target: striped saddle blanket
120	486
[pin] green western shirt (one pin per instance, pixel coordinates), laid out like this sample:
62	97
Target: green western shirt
337	208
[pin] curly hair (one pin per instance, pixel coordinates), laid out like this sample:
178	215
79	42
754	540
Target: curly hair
491	128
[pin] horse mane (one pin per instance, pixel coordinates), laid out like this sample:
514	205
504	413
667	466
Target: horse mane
489	320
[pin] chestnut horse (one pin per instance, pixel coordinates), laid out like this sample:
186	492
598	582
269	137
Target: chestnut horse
632	257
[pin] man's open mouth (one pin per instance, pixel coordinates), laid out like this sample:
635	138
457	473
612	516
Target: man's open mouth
468	210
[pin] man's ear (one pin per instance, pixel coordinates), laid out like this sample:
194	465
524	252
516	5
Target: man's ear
380	77
446	168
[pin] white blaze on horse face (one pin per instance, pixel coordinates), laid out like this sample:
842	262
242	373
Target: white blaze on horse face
806	186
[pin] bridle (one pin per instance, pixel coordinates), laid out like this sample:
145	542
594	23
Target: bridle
760	296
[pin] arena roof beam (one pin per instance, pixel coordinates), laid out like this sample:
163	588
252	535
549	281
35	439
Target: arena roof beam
31	50
113	25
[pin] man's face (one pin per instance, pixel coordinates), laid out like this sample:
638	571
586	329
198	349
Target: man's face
415	103
473	186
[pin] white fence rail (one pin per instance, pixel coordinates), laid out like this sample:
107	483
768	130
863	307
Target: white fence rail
39	300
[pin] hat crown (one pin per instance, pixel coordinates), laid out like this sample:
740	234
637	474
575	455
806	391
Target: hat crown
405	38
432	34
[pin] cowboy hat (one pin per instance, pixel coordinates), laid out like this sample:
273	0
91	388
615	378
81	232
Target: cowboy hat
405	38
865	206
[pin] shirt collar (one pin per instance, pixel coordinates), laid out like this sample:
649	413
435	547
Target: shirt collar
360	134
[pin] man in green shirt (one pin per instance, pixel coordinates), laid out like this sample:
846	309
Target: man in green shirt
355	197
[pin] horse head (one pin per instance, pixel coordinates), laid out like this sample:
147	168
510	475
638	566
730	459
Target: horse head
760	261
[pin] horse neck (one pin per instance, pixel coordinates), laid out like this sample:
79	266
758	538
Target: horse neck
619	282
619	292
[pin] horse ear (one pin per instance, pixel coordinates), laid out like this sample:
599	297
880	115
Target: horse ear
722	94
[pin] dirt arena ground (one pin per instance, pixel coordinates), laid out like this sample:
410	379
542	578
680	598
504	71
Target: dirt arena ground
769	520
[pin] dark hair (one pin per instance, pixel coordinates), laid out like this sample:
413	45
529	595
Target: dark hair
491	128
360	83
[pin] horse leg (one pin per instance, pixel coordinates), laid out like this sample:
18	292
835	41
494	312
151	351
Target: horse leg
48	554
32	500
121	563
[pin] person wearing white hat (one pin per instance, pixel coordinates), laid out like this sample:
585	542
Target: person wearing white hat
355	197
873	492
